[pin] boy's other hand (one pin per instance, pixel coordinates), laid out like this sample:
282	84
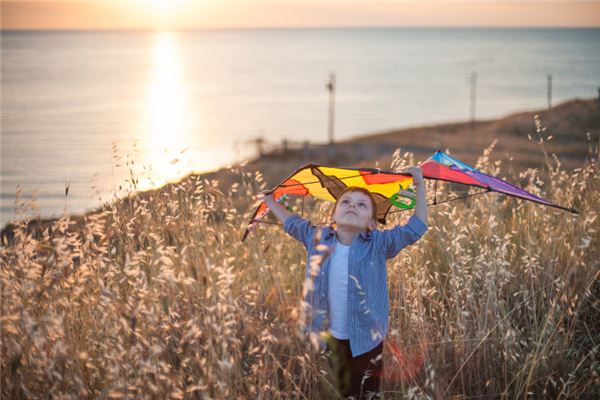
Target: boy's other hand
417	174
264	196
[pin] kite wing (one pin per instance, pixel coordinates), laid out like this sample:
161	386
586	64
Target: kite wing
443	167
327	183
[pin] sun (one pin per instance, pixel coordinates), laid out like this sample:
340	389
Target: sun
165	5
164	13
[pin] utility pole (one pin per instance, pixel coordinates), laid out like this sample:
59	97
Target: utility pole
331	88
473	95
549	91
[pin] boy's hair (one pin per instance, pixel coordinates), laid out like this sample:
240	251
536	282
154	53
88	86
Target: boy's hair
363	191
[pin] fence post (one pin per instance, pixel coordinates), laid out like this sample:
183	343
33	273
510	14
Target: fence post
259	142
473	95
306	150
284	146
549	91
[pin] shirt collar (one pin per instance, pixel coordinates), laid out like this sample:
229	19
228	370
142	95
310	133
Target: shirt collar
330	234
366	235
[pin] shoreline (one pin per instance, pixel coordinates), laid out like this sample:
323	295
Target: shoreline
569	123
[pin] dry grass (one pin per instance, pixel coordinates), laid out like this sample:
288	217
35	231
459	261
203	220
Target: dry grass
156	297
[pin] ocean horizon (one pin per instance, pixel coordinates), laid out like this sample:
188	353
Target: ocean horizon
85	109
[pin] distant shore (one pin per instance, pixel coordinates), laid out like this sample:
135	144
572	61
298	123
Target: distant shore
568	130
572	125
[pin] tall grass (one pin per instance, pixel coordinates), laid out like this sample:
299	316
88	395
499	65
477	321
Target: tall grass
154	296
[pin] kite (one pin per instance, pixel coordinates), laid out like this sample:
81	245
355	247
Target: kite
327	183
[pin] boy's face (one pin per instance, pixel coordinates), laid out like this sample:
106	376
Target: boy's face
354	210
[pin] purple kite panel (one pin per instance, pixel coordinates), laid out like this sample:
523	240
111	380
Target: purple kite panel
501	186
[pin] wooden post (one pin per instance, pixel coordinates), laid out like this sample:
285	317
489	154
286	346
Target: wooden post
284	146
549	91
306	148
473	95
259	142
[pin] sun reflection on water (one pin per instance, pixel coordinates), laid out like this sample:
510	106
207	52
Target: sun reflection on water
166	124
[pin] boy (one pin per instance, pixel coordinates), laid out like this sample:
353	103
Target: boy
349	299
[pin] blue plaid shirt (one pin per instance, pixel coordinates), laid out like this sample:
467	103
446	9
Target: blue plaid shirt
368	302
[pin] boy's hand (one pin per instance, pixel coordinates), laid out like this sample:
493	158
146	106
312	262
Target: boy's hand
421	202
417	174
280	211
265	196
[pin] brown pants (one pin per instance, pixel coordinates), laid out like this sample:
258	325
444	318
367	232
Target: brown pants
360	376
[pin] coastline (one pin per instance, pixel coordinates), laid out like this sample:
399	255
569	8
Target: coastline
568	123
573	126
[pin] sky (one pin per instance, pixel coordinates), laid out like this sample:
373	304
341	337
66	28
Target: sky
223	14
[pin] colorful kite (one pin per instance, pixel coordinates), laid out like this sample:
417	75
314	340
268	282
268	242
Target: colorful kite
327	183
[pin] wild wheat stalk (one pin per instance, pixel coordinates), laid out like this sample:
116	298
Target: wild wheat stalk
154	296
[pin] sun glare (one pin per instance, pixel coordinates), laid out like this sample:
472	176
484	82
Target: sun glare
166	125
164	13
165	5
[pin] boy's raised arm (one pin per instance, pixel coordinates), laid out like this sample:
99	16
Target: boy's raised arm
395	239
299	228
421	201
277	209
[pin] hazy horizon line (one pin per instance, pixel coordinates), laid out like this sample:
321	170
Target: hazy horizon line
258	28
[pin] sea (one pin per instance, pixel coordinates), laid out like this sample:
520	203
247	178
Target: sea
87	116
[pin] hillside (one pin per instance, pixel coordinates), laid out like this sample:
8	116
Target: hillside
574	127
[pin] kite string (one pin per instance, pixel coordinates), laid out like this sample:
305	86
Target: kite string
302	216
268	222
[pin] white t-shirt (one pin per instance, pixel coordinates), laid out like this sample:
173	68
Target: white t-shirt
337	289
